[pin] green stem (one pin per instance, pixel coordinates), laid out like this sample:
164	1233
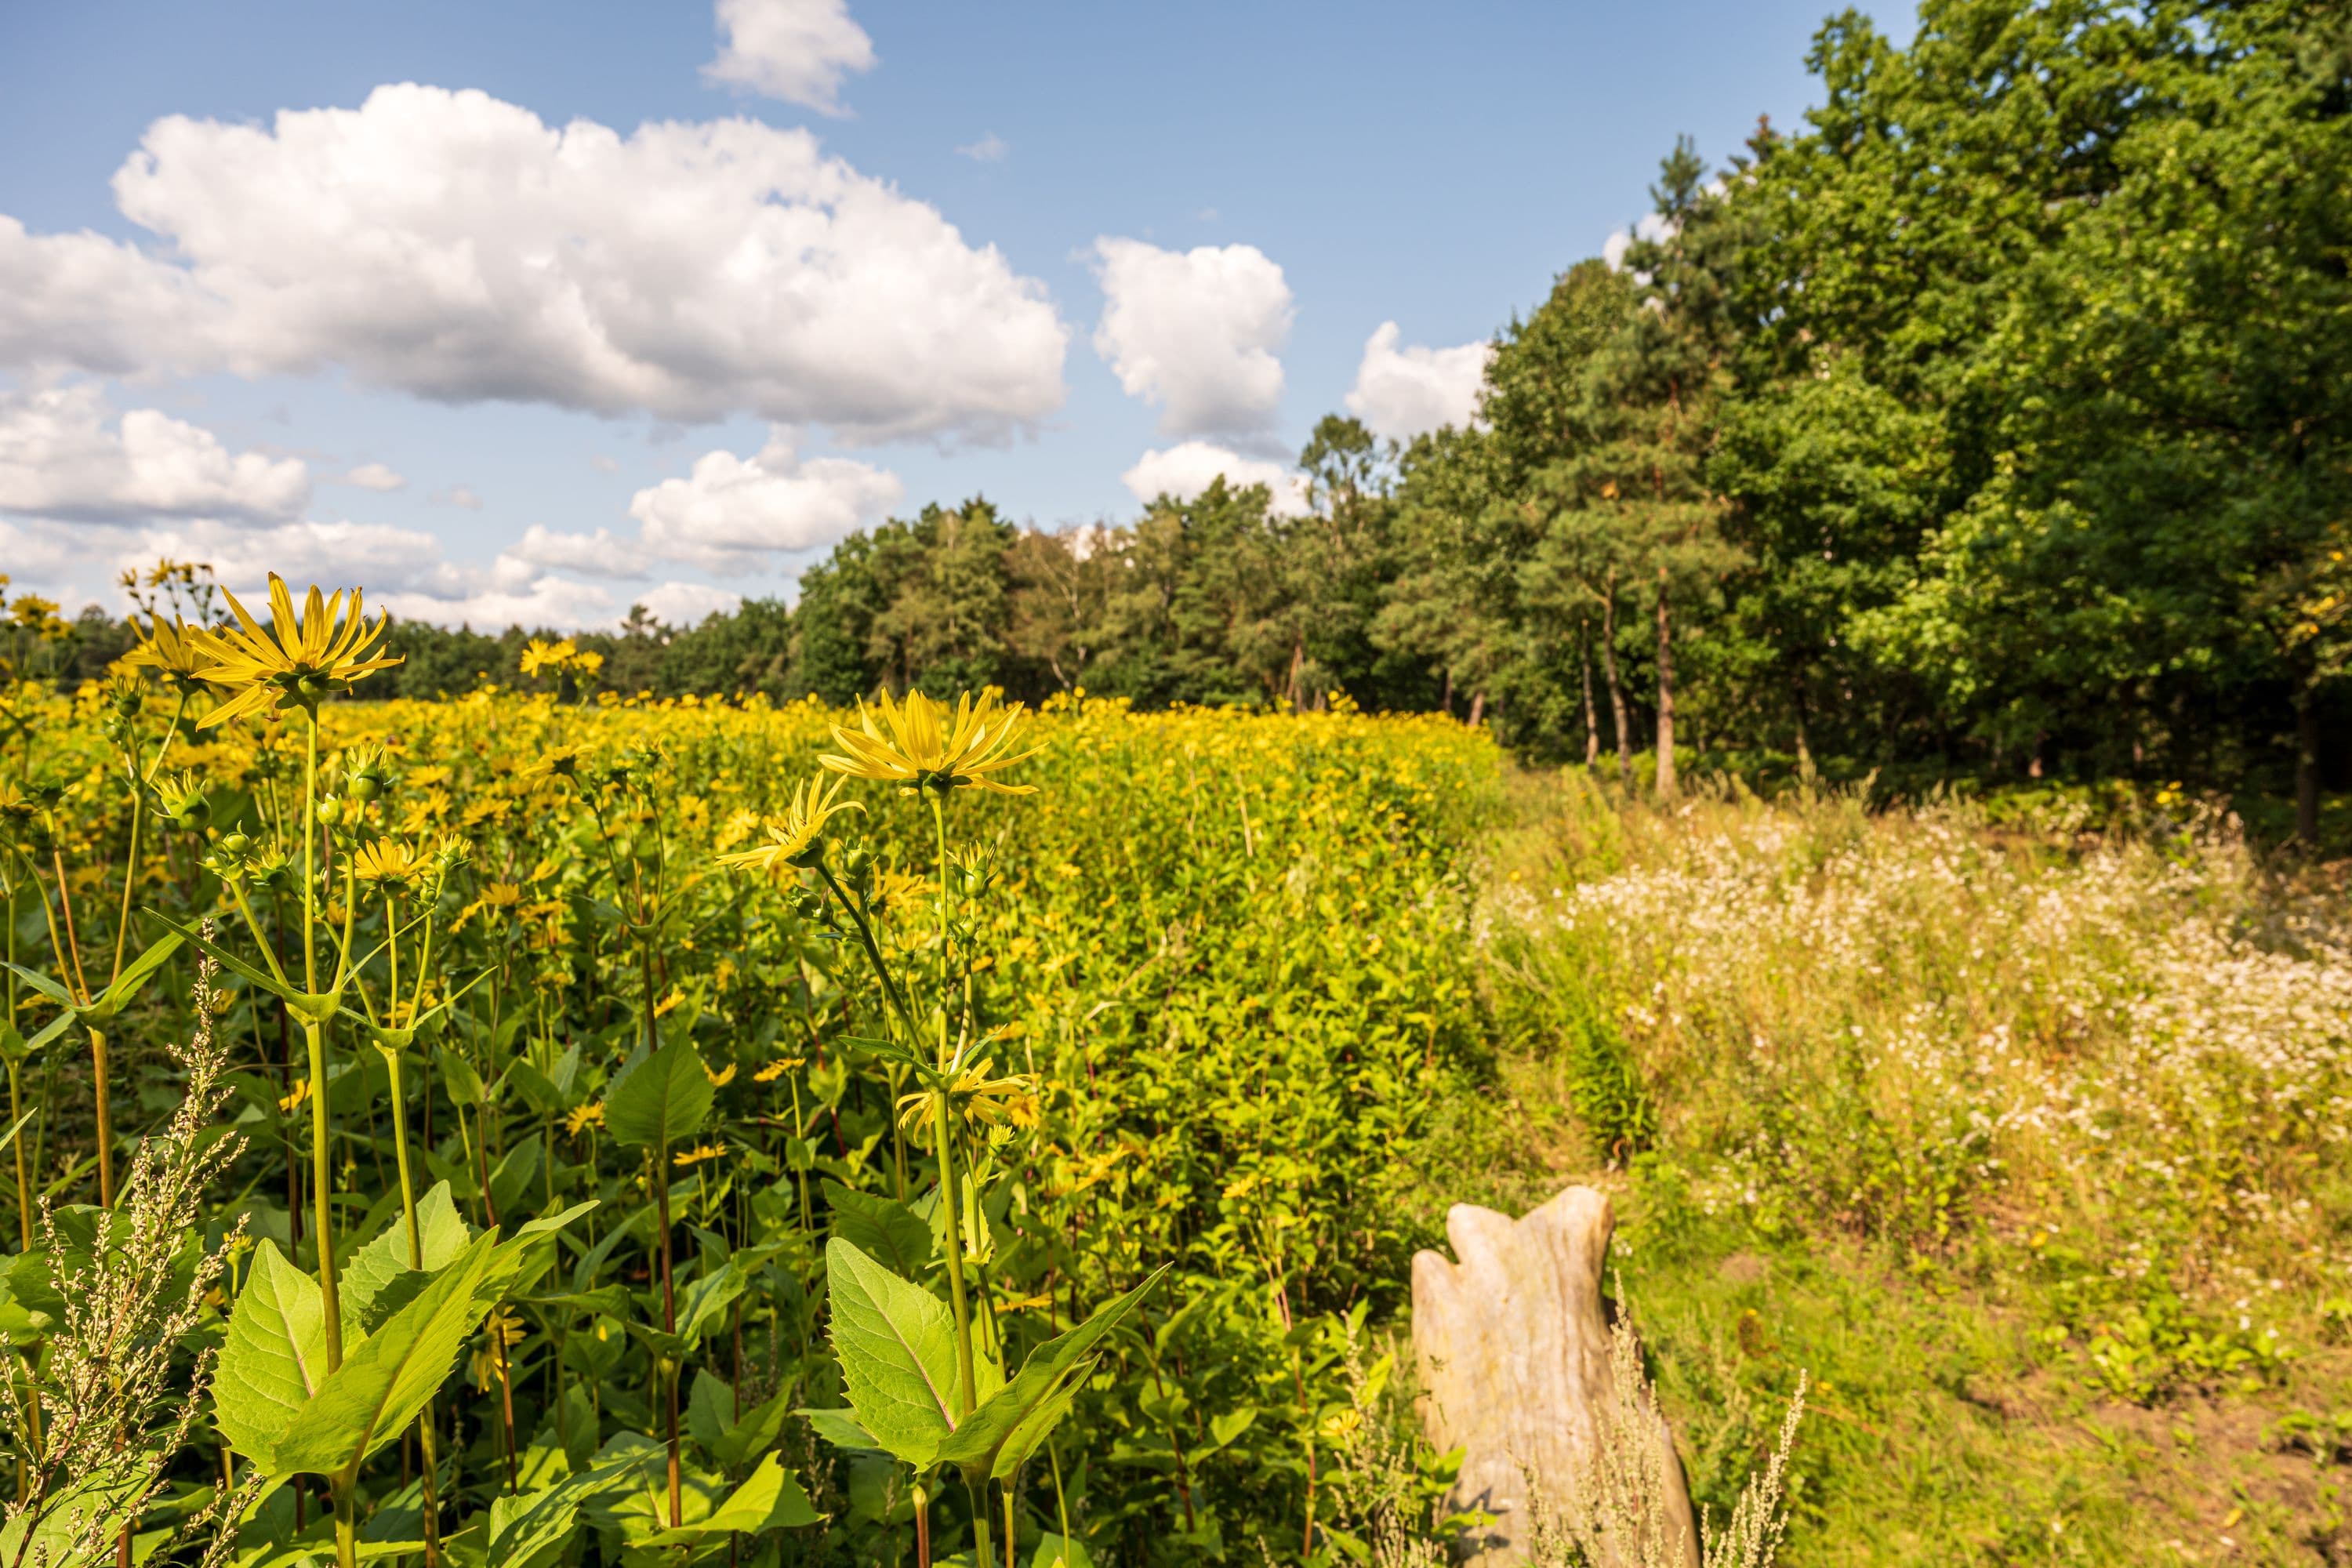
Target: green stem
105	1120
24	1179
322	1132
347	1555
415	1260
321	1206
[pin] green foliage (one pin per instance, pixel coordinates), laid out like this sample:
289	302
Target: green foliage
658	1097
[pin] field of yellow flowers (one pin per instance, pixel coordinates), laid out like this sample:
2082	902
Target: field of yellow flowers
555	1126
810	1137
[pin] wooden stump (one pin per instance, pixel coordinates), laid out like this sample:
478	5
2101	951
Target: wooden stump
1513	1349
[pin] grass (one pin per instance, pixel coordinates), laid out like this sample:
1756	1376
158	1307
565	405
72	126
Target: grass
2028	1145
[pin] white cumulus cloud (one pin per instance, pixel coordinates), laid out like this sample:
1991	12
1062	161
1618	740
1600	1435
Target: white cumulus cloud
602	553
1195	332
455	247
60	458
1184	470
797	50
732	512
1403	393
373	477
990	149
1650	226
402	570
687	603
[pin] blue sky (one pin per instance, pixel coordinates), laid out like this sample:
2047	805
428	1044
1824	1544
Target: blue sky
593	390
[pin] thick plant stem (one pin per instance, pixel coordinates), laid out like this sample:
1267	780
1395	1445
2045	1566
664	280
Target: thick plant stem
105	1121
347	1535
951	1205
424	1433
952	1195
314	1039
669	1326
321	1209
23	1177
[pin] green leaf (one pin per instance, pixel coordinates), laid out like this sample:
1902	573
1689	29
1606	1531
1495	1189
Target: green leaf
842	1429
274	1358
1004	1433
376	1282
368	1401
463	1084
731	1440
1055	1552
531	1531
44	985
771	1498
883	1228
705	1299
925	1074
226	959
896	1345
513	1175
134	976
658	1097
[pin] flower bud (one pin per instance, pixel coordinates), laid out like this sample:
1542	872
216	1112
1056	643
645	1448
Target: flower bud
234	844
330	811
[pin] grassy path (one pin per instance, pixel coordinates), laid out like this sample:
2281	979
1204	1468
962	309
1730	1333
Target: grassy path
1753	1025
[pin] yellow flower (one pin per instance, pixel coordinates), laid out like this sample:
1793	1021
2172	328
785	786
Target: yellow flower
540	655
696	1156
722	1079
583	1117
296	662
997	1101
556	762
294	1101
388	861
171	651
501	1332
777	1068
922	748
795	837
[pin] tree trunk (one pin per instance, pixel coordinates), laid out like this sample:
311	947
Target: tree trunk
1666	692
2306	765
1592	718
1616	691
1514	1350
1447	701
1478	708
1804	750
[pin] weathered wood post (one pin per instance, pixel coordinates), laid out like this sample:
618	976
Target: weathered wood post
1513	1349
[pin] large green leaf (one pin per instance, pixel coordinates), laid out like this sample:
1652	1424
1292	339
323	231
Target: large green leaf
770	1499
658	1097
377	1392
897	1344
883	1228
274	1358
378	1280
1004	1432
